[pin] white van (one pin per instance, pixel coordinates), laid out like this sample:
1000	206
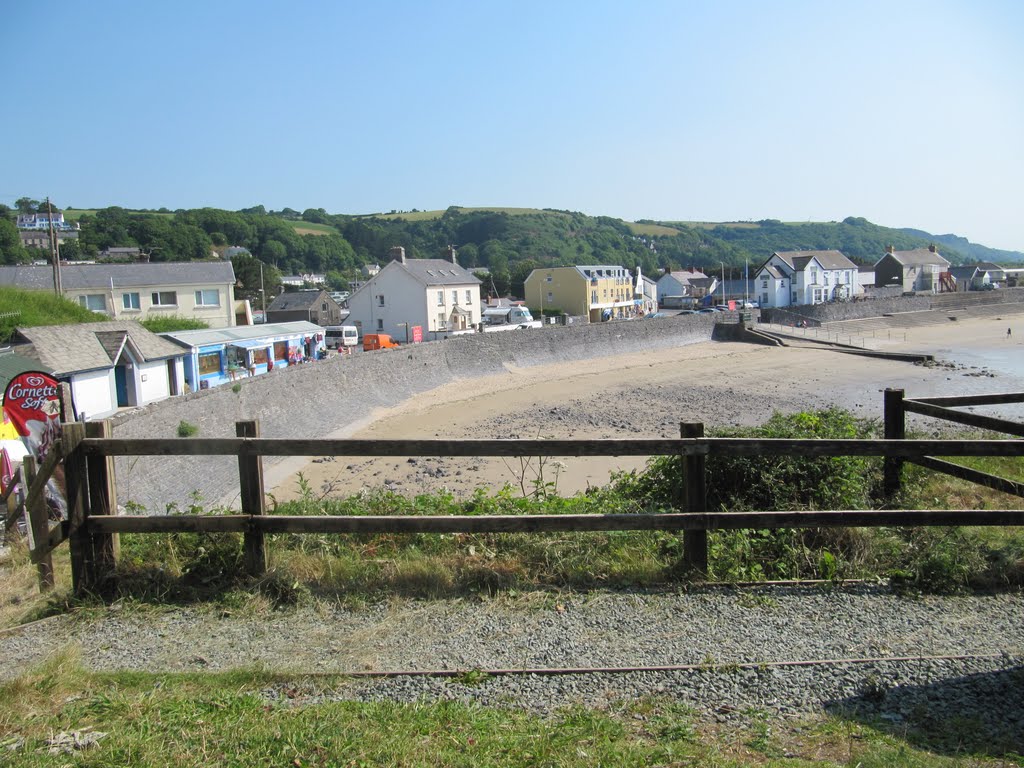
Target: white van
337	336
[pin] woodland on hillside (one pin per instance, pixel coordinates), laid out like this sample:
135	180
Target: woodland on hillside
508	243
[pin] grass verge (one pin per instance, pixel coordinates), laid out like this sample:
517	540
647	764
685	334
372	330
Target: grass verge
58	714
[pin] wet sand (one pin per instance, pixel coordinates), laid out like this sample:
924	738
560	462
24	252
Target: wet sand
647	395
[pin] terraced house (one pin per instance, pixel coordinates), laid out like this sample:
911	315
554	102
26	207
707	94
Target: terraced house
204	290
597	292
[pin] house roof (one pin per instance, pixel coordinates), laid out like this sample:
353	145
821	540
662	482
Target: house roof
85	276
67	349
437	272
773	270
590	271
988	266
685	275
964	273
209	336
828	259
12	363
917	257
298	300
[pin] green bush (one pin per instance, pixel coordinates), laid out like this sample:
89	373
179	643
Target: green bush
185	429
738	483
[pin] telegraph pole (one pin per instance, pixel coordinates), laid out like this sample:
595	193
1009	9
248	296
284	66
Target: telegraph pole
58	287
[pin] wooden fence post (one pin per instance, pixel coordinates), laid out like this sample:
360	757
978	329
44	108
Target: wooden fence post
38	526
77	484
695	543
895	429
106	547
250	475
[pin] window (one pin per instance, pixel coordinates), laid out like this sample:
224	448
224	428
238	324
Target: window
380	300
551	297
208	297
209	363
593	297
440	298
468	297
794	297
764	283
165	298
548	278
764	298
130	301
455	297
97	302
442	323
380	323
323	306
814	277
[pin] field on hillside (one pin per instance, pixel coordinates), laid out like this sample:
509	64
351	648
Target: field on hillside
431	215
309	228
653	230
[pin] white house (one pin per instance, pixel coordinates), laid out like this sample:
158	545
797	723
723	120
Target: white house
204	290
109	365
645	292
435	295
688	283
790	278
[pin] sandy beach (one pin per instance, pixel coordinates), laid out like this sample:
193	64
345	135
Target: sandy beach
648	395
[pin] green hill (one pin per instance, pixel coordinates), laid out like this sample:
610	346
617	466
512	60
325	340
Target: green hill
509	242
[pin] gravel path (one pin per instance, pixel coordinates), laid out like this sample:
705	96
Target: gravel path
719	629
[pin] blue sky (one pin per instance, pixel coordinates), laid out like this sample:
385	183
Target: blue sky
910	114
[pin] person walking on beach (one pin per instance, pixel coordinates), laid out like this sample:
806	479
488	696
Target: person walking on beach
1009	332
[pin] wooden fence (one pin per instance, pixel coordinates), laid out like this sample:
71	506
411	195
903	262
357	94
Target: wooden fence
93	526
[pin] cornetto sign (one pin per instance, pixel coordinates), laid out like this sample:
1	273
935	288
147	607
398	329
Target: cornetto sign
32	404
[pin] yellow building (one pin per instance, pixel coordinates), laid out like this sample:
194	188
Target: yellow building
595	292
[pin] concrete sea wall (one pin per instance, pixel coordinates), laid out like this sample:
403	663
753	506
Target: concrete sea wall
317	399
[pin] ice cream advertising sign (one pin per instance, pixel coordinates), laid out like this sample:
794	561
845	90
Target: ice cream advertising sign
32	405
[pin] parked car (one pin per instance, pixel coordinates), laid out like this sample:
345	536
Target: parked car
373	341
706	311
656	315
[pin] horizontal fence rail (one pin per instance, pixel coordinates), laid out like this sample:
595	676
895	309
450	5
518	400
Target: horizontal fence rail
668	521
705	446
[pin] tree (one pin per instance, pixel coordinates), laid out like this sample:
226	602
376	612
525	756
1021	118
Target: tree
274	252
315	215
26	205
248	273
11	249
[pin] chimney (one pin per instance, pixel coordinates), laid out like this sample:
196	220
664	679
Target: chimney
668	270
397	254
449	254
931	248
889	249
